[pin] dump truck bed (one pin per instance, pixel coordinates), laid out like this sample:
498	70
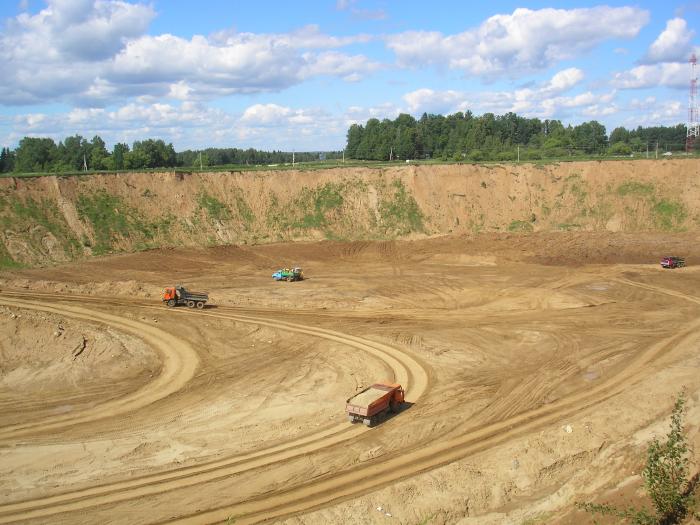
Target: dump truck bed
374	400
195	296
368	396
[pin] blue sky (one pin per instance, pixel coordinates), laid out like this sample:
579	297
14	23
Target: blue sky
296	75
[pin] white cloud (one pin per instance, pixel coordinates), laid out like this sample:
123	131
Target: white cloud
350	68
263	114
652	112
667	74
526	40
430	101
360	115
545	100
565	80
672	45
82	30
95	52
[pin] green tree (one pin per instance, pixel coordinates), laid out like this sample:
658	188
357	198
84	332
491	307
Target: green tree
151	153
354	139
7	160
118	156
619	135
620	148
35	155
665	478
99	156
590	137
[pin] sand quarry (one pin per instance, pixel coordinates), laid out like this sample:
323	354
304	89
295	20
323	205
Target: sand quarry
536	368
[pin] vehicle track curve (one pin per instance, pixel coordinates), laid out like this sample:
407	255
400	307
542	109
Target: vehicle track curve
408	370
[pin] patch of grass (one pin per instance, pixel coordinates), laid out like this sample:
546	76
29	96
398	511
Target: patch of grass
44	213
520	226
320	202
28	213
399	210
6	260
160	227
426	520
216	210
111	219
669	215
244	210
602	212
567	226
311	209
635	188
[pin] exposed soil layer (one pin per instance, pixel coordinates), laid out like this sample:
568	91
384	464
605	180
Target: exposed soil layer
58	219
536	367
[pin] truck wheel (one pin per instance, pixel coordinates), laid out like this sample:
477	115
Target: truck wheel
171	302
200	304
367	422
190	304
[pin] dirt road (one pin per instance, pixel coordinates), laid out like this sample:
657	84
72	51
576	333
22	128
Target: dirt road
244	417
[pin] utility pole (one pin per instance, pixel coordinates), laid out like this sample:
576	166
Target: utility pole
518	152
693	126
292	158
84	163
343	156
657	150
200	161
647	150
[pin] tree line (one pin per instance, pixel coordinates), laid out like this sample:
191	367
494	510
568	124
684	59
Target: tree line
461	136
498	137
76	153
43	155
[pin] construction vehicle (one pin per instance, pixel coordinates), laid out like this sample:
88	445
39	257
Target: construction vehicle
374	402
178	295
672	262
288	274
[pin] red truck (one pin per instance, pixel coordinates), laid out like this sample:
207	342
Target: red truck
672	262
373	402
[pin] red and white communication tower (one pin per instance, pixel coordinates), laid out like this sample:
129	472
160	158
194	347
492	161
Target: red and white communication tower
693	126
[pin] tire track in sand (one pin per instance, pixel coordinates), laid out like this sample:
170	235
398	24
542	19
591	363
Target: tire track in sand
179	359
407	370
376	475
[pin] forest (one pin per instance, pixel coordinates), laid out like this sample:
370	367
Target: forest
500	137
457	137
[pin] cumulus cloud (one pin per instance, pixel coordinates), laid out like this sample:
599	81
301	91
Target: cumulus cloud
546	100
672	45
666	74
95	52
564	80
430	101
652	112
526	40
191	125
83	30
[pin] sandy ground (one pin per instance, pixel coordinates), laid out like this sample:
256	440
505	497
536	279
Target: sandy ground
536	368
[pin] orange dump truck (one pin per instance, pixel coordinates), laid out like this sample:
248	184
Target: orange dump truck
373	402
